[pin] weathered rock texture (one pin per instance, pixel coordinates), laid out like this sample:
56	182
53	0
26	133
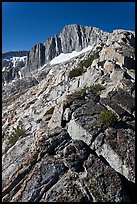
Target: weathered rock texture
55	145
36	57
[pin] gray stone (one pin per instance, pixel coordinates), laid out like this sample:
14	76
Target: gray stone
99	182
75	154
120	159
68	189
42	180
18	86
36	57
52	48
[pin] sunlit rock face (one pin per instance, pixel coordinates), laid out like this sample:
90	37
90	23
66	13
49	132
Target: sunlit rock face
68	119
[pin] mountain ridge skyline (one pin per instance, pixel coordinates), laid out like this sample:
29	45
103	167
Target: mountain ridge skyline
26	23
59	36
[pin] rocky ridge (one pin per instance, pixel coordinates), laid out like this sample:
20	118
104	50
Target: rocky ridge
55	145
8	55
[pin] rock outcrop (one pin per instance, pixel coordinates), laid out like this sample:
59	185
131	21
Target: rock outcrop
75	37
68	129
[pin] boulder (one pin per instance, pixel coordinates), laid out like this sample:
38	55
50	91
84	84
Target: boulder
99	179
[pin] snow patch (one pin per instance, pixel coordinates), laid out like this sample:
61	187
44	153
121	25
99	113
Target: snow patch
4	68
15	59
65	57
50	72
18	58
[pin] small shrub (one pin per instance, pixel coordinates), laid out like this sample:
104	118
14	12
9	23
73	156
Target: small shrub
108	118
50	111
76	72
86	63
96	87
96	55
81	92
76	94
17	133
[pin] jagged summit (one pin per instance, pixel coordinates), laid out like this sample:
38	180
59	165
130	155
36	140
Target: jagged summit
73	37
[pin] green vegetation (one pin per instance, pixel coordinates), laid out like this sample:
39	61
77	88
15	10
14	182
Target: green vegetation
108	118
82	92
76	72
77	94
17	133
50	111
84	64
96	87
101	63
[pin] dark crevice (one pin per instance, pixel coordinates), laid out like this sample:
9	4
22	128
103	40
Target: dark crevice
85	199
122	124
16	181
129	187
88	197
91	151
78	167
95	135
104	160
63	123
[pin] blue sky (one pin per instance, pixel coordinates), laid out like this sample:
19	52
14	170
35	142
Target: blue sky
25	24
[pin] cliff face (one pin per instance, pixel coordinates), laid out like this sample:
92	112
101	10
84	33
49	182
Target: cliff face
36	57
52	48
68	128
72	37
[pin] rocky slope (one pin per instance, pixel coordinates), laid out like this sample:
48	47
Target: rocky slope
68	128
